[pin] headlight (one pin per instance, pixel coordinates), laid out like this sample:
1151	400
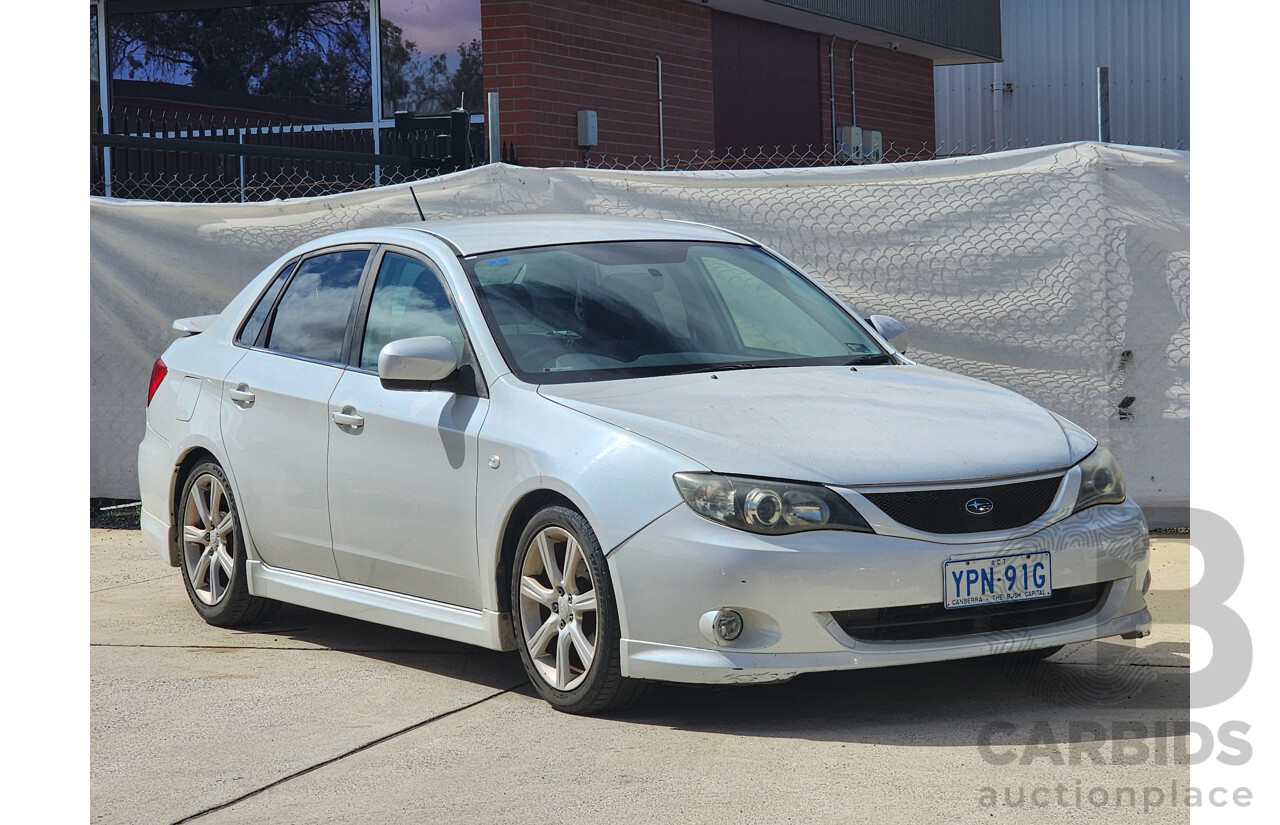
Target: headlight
773	508
1101	480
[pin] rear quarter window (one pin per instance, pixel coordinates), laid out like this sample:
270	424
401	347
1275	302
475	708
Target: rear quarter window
253	326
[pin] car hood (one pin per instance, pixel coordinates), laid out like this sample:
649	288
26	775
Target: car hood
873	425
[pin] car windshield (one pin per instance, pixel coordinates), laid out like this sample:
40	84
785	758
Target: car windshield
621	309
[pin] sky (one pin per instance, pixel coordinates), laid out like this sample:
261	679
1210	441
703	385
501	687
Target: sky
435	25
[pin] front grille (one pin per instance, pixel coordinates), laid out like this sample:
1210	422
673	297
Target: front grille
919	622
943	510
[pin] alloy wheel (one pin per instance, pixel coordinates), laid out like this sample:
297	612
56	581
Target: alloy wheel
208	539
558	614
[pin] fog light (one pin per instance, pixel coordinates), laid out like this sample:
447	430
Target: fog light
727	625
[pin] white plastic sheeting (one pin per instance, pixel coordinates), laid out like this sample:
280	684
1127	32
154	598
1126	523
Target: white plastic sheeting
1061	273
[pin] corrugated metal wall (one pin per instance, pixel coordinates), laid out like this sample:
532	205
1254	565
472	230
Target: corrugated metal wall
1052	49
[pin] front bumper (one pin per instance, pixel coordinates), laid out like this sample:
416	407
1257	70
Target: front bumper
681	566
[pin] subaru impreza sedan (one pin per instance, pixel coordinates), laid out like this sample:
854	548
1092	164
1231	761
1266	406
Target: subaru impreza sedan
633	451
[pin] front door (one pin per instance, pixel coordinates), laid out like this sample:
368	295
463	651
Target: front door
402	464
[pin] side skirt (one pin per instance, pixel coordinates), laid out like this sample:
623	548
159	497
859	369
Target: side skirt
483	628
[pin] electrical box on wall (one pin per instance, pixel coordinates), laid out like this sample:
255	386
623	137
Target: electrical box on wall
850	143
875	146
588	132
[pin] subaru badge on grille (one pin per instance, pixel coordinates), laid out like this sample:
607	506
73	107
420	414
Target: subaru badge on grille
979	506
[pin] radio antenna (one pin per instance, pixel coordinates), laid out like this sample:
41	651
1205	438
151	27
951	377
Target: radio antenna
415	203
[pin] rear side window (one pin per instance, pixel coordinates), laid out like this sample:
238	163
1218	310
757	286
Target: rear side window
409	301
312	317
249	333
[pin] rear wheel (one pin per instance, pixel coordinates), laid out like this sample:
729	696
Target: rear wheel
212	552
565	618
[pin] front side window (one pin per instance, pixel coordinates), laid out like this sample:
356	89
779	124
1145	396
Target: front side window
592	311
408	301
312	317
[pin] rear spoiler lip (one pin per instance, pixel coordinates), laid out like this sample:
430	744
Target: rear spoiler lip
194	325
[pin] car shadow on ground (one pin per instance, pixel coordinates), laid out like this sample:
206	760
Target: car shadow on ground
404	648
1101	690
1109	690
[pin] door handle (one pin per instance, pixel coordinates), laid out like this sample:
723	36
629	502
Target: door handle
348	417
242	396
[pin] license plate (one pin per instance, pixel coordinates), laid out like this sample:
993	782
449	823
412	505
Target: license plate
996	580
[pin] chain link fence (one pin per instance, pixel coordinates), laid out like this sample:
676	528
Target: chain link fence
303	181
799	156
187	167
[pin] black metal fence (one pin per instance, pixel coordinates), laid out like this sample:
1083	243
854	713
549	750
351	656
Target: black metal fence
211	159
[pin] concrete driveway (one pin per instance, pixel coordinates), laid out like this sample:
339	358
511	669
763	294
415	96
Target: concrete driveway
316	718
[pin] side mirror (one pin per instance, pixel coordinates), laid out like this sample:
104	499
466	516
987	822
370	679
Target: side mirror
891	330
416	363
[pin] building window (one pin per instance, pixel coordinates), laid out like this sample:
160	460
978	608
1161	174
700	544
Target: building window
306	61
431	61
94	91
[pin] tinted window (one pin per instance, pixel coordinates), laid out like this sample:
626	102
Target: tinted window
630	308
776	314
408	302
311	320
249	334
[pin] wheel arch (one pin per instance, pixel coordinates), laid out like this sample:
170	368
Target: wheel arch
517	518
188	460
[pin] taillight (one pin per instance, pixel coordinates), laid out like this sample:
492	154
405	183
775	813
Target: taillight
158	372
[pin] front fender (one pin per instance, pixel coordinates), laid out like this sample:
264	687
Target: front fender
620	481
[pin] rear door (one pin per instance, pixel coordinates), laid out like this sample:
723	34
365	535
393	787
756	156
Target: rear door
402	468
275	417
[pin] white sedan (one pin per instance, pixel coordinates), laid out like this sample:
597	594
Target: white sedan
633	451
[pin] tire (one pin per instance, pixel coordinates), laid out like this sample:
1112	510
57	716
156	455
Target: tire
211	552
570	650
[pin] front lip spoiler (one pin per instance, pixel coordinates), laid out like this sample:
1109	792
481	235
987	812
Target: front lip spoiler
673	663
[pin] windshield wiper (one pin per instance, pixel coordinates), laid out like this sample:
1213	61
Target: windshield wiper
870	359
722	368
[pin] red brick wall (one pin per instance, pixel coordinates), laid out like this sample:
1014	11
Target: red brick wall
547	60
894	97
894	94
842	83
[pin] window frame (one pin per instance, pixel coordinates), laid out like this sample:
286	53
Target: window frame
282	276
360	321
264	334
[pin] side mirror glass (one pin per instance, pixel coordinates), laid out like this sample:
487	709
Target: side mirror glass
891	330
416	363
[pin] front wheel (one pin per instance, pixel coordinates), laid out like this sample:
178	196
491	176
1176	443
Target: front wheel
565	618
212	552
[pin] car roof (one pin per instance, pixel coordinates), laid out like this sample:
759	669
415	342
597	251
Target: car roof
475	236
